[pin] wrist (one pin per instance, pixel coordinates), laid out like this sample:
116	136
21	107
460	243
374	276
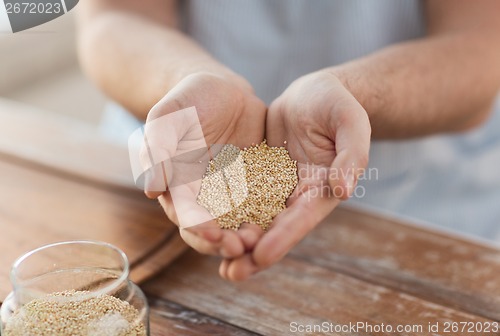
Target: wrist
376	93
215	69
370	94
348	78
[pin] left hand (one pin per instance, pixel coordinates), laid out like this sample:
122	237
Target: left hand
183	130
328	132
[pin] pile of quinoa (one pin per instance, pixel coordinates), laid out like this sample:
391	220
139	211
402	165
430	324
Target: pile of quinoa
63	314
249	185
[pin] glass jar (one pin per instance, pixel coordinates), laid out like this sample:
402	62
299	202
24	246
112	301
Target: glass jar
76	287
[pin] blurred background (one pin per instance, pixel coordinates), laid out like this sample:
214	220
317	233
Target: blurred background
39	67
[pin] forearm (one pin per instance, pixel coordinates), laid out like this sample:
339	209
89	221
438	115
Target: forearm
436	84
136	60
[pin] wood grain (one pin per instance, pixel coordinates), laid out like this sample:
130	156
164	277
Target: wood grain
38	208
432	265
62	180
292	290
171	319
156	260
63	144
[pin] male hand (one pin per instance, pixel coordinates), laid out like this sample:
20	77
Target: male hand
328	132
229	113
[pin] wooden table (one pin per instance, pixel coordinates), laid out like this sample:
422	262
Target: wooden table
356	267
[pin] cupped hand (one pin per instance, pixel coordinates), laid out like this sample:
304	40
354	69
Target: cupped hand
229	113
328	132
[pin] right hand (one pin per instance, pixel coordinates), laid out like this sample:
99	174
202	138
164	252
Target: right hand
229	113
327	131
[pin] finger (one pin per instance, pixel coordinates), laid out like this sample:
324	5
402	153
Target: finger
180	205
165	200
254	120
241	268
173	144
209	231
275	130
352	144
159	145
199	244
199	228
291	226
207	237
223	268
250	235
144	170
229	245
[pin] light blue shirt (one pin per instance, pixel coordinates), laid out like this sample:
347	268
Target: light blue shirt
452	181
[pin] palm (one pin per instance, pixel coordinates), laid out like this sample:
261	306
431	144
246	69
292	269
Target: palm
327	131
225	114
313	147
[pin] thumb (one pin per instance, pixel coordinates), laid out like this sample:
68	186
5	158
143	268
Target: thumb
352	145
162	142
